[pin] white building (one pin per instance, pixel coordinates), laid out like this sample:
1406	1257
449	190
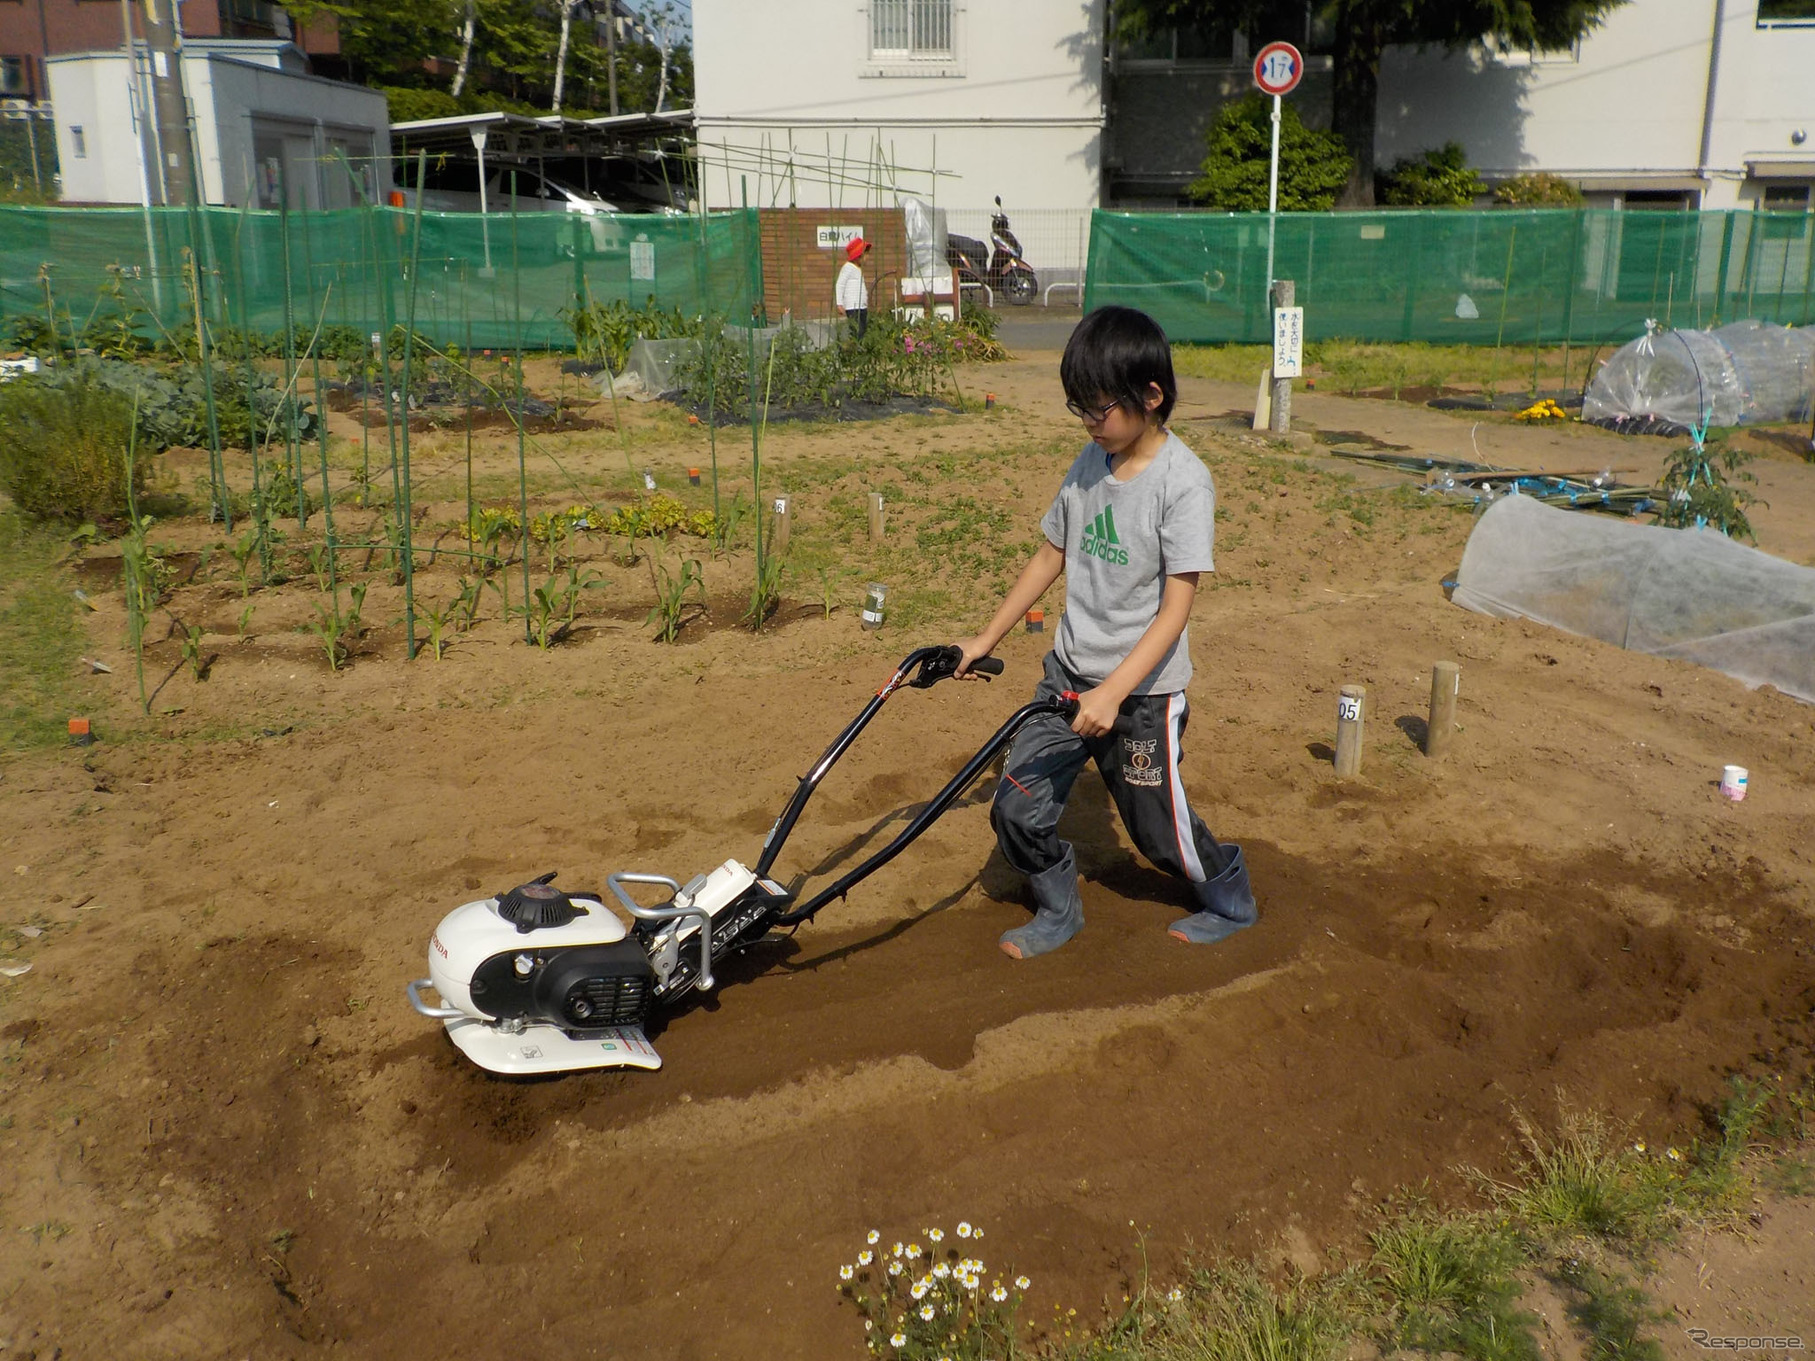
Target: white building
1693	102
261	121
814	103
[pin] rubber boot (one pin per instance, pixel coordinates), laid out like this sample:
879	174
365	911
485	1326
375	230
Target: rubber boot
1058	912
1228	906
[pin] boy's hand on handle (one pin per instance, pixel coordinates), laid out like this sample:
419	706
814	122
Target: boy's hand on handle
1097	709
974	650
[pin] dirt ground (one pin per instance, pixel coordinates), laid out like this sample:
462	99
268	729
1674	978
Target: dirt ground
227	1134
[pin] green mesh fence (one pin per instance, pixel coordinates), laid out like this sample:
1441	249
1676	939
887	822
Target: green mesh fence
1521	276
495	280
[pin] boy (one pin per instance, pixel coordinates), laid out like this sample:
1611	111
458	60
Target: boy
1131	528
851	295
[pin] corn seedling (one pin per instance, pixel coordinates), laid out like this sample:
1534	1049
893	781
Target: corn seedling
467	602
542	611
438	621
765	591
332	626
192	649
671	599
825	592
245	617
725	526
570	592
319	567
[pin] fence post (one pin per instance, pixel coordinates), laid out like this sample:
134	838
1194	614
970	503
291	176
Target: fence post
1412	263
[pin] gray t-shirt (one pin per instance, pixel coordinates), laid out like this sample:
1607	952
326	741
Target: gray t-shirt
1121	541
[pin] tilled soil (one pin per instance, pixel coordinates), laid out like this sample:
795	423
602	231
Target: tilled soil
227	1133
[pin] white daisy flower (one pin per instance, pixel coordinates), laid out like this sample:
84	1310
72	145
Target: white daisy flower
1021	1283
872	1238
1175	1294
919	1290
894	1268
898	1340
865	1257
896	1250
998	1294
942	1271
964	1228
913	1251
937	1235
926	1312
846	1271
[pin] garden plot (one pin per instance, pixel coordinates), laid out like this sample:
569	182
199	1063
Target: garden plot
230	1135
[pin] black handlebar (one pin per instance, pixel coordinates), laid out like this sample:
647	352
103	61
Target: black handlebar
942	664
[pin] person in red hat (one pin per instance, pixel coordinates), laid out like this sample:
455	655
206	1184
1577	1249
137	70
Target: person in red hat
852	295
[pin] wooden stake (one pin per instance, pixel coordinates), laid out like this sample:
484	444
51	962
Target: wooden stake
876	521
1280	407
1350	714
1446	682
778	537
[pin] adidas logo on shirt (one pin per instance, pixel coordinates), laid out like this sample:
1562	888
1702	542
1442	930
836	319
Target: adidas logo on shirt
1101	541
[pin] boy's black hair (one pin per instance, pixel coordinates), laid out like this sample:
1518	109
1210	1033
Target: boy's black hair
1115	352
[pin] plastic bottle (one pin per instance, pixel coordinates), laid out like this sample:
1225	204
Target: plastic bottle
875	596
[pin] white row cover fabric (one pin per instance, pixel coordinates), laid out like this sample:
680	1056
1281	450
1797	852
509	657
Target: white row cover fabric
1741	374
1685	593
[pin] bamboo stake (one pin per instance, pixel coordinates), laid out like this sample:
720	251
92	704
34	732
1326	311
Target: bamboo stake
409	348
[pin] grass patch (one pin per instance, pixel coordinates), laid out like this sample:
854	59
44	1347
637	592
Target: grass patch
1449	1284
1348	366
40	638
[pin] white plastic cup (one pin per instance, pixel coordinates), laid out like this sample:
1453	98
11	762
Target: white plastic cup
1733	782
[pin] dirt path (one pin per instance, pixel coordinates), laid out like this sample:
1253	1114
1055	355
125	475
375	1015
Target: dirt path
227	1133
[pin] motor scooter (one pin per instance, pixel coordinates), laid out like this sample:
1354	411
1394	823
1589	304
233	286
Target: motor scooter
1000	265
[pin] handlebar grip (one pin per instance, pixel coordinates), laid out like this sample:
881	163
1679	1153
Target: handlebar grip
1068	703
987	666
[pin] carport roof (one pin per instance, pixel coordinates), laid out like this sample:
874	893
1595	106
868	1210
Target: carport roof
515	136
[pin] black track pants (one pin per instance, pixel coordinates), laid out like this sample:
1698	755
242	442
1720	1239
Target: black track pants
1139	762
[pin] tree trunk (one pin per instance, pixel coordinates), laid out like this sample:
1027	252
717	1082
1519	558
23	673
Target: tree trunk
567	8
661	90
1356	97
467	30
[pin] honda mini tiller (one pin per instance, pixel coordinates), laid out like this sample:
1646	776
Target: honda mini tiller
536	980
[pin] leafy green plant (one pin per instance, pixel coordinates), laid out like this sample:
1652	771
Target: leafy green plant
63	448
467	601
671	599
726	524
438	619
765	590
1438	178
192	638
571	589
245	617
332	626
1701	488
1540	189
1313	165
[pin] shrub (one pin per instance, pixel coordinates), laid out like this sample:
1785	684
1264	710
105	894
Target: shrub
1538	190
1439	178
63	448
1313	165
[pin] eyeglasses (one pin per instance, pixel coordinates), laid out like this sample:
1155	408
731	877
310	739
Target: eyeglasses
1094	415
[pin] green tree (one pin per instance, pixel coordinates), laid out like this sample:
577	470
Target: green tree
1363	29
1313	165
1440	178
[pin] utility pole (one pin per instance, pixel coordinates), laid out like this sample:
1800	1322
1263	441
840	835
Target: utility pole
170	104
611	53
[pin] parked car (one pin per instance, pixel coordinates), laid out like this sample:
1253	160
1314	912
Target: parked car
453	187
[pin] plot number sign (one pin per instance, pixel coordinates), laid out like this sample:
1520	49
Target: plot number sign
1278	68
1288	342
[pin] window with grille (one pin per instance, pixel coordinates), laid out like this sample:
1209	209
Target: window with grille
12	76
911	30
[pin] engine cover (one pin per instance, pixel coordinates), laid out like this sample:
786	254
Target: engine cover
474	933
576	987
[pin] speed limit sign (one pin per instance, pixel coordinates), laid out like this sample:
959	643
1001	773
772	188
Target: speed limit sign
1278	67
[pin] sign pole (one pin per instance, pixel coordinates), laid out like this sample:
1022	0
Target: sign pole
1272	195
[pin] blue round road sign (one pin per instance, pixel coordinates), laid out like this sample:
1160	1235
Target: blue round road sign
1278	67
